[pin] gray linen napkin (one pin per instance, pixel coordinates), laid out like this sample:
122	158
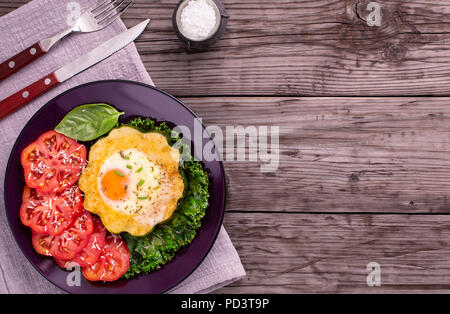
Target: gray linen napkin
20	29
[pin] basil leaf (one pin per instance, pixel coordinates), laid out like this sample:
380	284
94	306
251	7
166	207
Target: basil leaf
88	122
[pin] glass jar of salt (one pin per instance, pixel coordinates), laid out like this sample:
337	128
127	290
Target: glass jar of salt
199	23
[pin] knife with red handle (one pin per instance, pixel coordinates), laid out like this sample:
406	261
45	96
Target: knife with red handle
20	60
17	100
22	97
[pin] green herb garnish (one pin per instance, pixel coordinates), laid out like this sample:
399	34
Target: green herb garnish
88	122
120	174
142	197
140	169
141	182
129	167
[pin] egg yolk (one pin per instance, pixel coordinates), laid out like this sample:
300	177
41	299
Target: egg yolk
114	185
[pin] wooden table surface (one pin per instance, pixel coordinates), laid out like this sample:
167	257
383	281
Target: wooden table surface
364	117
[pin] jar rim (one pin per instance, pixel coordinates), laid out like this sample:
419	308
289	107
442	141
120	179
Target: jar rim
180	8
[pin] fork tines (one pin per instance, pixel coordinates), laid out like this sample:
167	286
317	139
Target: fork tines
107	11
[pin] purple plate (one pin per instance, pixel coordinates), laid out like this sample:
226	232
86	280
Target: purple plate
135	99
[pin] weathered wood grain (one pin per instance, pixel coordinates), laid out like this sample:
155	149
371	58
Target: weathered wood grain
297	253
341	154
305	48
321	47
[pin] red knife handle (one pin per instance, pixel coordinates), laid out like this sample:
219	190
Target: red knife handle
20	60
19	99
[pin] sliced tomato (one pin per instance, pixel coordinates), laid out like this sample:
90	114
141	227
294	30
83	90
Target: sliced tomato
42	243
53	162
112	263
68	243
90	254
71	241
50	213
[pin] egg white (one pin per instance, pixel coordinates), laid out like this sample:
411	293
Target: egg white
163	184
145	179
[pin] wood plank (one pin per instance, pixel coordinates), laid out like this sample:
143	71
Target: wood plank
341	154
321	47
305	48
298	253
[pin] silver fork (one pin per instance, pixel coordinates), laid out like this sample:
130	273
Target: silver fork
95	18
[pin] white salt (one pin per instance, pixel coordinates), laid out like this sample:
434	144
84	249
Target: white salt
198	19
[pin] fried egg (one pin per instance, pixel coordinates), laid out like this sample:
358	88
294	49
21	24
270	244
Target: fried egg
132	181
